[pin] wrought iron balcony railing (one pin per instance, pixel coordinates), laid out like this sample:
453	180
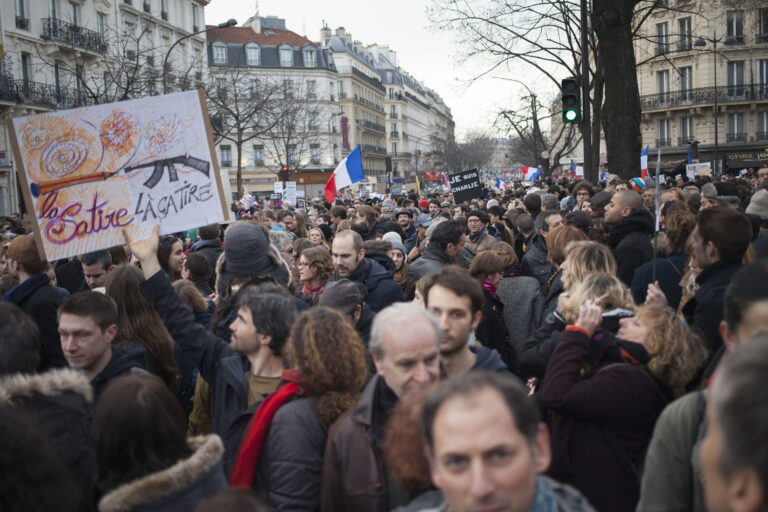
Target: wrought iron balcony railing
705	95
660	143
736	137
39	94
22	23
762	135
368	148
65	32
684	141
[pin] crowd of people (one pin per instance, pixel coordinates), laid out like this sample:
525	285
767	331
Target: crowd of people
564	347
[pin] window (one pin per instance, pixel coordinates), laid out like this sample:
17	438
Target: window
392	109
288	88
53	8
74	13
341	90
762	26
762	78
314	153
219	53
21	8
686	130
309	58
394	149
164	9
735	28
101	24
252	54
663	139
762	126
254	88
662	38
736	87
286	57
312	125
226	156
57	76
195	24
25	67
258	155
686	84
684	26
736	128
292	159
311	89
662	86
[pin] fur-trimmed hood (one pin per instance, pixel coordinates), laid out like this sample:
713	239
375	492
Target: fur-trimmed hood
54	382
175	481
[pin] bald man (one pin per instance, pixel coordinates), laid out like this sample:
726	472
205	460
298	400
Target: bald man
631	227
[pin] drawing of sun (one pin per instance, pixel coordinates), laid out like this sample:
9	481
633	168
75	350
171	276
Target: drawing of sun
120	134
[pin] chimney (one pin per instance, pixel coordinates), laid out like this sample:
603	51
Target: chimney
325	33
340	32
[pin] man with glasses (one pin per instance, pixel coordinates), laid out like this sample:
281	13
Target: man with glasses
478	238
762	176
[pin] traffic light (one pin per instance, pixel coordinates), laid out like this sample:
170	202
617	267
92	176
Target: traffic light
694	149
283	174
506	157
570	92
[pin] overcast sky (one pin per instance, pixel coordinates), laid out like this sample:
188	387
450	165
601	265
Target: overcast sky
430	57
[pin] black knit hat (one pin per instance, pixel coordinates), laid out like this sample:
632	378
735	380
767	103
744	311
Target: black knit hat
247	253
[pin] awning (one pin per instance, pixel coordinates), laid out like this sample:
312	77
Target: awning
667	164
742	159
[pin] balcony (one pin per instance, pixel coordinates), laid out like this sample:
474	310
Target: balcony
128	2
661	143
195	28
394	135
684	44
737	39
761	38
342	95
405	136
370	125
736	137
164	15
367	148
661	49
146	6
64	32
685	140
762	136
42	95
22	23
704	96
393	115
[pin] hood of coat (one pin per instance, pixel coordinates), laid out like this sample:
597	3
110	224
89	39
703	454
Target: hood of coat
51	383
487	359
207	453
637	221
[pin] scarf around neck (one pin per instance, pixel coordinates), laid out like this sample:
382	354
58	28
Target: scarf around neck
474	238
293	386
308	289
490	287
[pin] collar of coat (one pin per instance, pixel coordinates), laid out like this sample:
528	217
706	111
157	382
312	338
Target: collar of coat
54	382
208	451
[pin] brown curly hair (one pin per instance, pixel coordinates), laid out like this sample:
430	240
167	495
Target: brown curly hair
320	262
317	339
507	252
677	354
678	226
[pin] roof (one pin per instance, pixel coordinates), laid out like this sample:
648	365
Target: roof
267	37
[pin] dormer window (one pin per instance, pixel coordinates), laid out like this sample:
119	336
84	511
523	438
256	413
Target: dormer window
286	57
219	53
309	58
253	54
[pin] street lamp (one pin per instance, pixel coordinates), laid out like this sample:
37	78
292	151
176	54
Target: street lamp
702	41
229	23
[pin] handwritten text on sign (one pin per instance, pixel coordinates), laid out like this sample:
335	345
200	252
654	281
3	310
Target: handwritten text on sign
88	173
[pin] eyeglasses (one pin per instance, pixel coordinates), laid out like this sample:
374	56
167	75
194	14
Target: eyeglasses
582	193
302	264
473	221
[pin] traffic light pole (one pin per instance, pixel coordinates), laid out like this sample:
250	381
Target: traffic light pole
586	124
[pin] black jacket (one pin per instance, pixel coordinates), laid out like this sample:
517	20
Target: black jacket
669	272
492	331
121	363
374	277
431	261
704	310
630	243
534	262
487	359
41	301
211	249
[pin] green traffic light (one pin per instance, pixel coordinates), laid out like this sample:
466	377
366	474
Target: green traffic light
571	115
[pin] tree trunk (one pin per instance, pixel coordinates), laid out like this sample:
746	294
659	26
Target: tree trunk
612	20
598	82
239	147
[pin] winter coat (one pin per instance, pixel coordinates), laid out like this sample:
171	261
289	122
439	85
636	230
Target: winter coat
518	294
69	274
487	359
290	464
484	243
534	263
672	477
122	362
630	243
411	238
546	302
37	298
600	423
704	311
374	277
492	331
669	271
211	249
431	261
59	402
353	471
181	487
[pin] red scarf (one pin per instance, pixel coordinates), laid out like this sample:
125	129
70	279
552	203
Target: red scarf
244	469
308	289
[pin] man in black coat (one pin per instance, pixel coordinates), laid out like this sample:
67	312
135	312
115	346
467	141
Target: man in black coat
631	226
534	262
445	245
209	244
36	297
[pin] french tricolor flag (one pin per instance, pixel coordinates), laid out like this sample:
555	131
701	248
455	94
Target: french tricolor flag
349	171
644	162
500	184
531	173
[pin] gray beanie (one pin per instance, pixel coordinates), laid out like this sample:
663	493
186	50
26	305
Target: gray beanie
394	239
435	222
247	253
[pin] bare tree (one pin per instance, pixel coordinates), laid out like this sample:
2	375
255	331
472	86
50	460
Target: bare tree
475	152
242	108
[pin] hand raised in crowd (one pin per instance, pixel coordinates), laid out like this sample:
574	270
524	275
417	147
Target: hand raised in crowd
145	251
655	295
590	317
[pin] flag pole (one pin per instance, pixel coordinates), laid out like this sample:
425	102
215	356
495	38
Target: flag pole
658	210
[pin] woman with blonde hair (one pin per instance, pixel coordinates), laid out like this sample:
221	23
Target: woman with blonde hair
594	285
317	237
582	258
605	392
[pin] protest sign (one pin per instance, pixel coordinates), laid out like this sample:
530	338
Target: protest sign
465	185
301	204
692	170
290	192
89	172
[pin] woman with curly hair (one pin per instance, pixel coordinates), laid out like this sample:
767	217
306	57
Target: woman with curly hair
281	452
315	268
604	394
